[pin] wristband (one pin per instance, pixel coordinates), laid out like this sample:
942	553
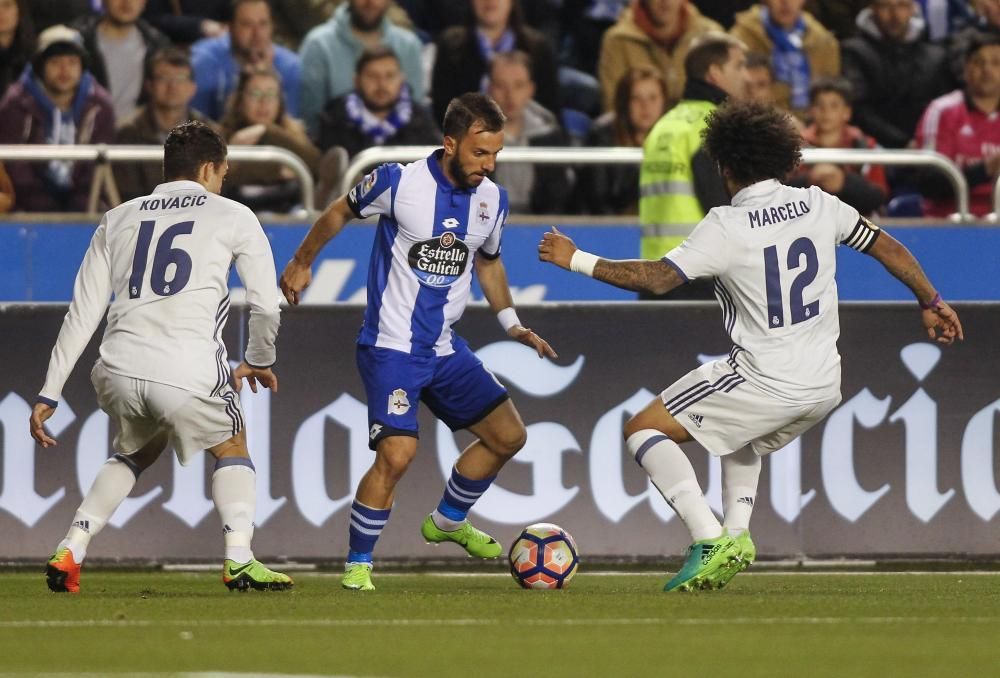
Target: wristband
508	318
583	262
933	303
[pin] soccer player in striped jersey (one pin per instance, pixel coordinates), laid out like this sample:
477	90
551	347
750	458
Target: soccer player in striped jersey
772	256
163	375
439	218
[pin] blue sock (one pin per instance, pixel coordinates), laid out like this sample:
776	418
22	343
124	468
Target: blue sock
366	526
460	493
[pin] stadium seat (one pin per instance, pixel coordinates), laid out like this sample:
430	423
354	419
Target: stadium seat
906	205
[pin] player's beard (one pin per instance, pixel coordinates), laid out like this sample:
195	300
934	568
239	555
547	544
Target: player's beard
459	174
363	25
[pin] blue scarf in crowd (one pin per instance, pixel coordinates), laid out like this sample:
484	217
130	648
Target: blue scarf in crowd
506	43
60	127
380	131
791	65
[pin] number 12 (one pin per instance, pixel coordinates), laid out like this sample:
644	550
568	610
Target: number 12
772	275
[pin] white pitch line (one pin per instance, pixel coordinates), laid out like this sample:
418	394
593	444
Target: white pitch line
654	573
610	621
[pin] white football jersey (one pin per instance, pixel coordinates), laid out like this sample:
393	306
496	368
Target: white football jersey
166	259
772	253
420	275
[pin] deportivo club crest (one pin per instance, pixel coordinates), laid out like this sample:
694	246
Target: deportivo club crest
483	214
398	402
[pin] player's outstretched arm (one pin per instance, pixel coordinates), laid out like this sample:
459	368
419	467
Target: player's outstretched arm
493	279
939	318
638	275
298	273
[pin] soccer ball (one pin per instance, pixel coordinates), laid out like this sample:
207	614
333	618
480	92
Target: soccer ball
544	556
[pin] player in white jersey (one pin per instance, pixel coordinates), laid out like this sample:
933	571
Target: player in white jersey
772	255
438	218
163	375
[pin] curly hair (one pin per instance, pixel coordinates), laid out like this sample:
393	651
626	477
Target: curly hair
752	142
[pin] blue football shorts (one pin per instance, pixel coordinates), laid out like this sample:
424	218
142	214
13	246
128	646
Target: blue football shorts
457	388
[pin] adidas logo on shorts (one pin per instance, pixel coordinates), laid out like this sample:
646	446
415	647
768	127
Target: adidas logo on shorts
696	419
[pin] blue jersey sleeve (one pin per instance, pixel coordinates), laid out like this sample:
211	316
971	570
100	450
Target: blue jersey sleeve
491	248
375	194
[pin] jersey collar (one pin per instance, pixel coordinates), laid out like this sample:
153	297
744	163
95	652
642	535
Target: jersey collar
754	191
434	165
182	185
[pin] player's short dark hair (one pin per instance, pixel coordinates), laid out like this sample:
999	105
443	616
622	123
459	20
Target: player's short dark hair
978	41
172	56
189	146
842	87
752	141
466	110
375	53
707	50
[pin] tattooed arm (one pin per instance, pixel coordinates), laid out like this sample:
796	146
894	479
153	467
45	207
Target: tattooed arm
939	318
639	275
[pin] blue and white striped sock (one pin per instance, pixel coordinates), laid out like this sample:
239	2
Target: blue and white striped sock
366	526
460	493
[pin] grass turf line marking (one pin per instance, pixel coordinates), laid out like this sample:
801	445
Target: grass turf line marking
611	621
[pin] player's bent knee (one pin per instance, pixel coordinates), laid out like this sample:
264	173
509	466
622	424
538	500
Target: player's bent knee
510	442
394	456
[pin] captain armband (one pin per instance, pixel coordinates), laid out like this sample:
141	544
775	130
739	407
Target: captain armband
863	236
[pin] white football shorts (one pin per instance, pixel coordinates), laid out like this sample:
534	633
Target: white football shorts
724	412
143	409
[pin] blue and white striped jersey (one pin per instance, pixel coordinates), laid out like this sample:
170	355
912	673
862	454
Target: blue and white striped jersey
420	273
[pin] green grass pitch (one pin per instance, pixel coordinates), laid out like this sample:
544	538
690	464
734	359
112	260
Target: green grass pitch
768	625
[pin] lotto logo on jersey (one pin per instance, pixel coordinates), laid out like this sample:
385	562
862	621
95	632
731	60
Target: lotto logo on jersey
440	261
398	402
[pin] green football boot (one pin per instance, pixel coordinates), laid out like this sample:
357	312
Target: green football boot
746	553
707	566
475	542
357	577
253	575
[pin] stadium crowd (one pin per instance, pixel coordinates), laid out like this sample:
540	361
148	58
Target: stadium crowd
328	78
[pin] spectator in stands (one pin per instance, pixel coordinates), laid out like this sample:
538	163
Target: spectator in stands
7	195
535	189
800	49
256	115
678	182
56	101
655	34
965	126
379	111
985	19
187	21
218	61
293	19
862	187
761	79
330	51
723	11
117	43
464	54
640	100
169	86
45	13
895	72
17	41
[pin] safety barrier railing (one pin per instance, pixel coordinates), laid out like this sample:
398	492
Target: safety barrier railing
103	153
633	156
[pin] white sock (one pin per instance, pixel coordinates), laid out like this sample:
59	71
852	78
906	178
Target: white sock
672	473
445	523
740	473
112	485
234	490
